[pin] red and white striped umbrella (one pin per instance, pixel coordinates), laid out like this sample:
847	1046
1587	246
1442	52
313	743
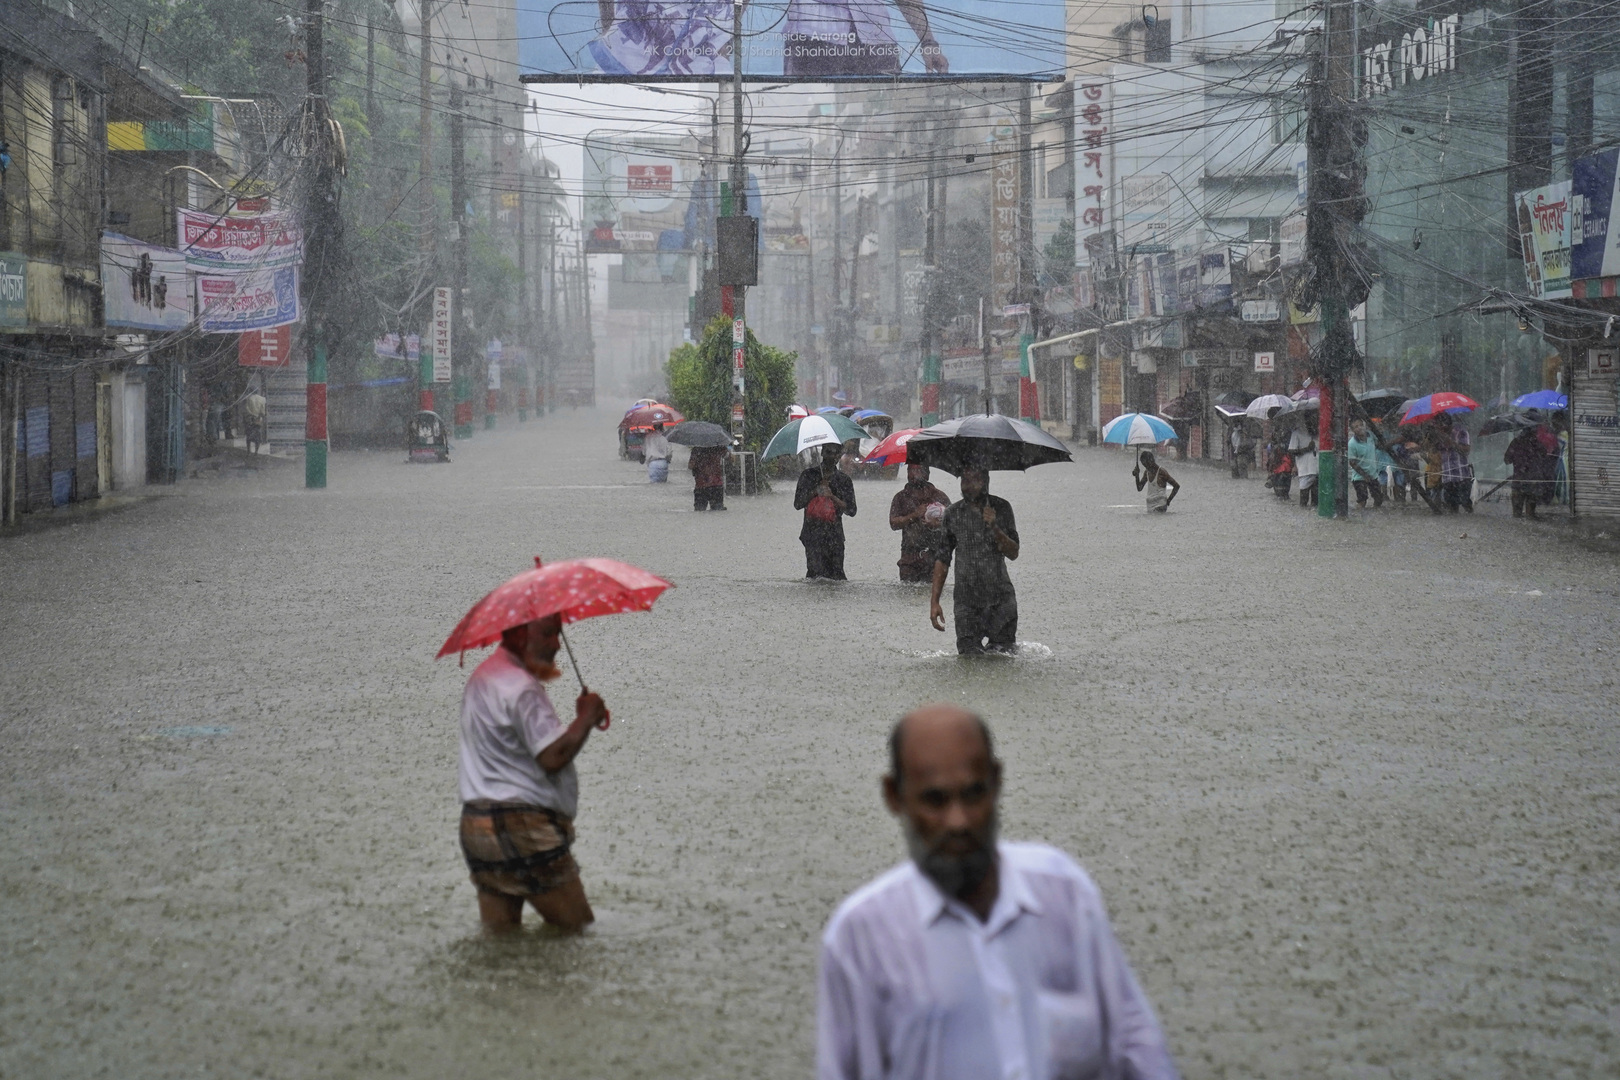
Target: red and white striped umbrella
891	451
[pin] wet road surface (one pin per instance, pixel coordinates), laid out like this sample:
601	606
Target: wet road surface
1349	790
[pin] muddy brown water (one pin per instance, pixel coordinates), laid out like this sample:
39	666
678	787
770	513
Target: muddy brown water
1349	789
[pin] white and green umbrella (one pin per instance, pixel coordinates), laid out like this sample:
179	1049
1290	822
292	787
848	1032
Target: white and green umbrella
811	431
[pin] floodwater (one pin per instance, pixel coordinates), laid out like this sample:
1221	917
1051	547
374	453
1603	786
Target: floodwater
1349	789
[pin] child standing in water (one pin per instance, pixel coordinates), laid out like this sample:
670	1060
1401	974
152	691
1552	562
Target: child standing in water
1162	487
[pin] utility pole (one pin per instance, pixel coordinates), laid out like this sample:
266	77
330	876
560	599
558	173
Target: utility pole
321	228
838	327
928	399
1028	402
1334	137
739	206
460	373
984	355
523	276
424	180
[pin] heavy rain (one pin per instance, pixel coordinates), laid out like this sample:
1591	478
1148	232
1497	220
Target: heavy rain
1290	603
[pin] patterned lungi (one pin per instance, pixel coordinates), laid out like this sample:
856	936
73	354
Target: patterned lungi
517	850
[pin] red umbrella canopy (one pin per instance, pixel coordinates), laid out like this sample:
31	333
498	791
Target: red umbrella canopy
574	588
648	415
891	451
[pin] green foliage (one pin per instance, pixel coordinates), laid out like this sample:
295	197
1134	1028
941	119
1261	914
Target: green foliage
699	379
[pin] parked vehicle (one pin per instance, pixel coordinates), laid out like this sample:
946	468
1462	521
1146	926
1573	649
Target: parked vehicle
426	438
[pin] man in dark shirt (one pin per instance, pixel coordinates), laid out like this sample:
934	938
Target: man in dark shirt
708	465
826	496
920	528
981	534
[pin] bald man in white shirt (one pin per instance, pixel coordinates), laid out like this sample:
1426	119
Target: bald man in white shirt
975	959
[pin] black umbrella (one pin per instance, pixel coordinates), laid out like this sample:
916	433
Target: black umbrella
700	433
1380	403
1235	401
1507	422
988	441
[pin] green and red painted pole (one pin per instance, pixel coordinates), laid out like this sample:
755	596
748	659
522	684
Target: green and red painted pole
315	419
424	381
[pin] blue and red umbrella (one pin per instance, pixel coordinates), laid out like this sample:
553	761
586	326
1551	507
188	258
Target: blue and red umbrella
1431	405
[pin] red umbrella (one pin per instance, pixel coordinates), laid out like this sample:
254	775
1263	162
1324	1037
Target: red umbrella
574	588
891	451
648	415
1447	401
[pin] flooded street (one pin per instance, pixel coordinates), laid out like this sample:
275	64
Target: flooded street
1348	789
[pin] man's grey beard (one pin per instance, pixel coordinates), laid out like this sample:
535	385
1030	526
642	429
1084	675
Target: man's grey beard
956	875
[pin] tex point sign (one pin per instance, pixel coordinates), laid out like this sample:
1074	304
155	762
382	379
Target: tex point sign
795	39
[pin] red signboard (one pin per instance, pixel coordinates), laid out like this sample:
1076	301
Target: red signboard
265	348
645	179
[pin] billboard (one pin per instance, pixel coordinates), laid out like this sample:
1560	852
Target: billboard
144	286
637	188
807	39
1595	225
1545	235
215	242
237	303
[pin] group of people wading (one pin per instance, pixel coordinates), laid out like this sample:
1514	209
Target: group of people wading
978	533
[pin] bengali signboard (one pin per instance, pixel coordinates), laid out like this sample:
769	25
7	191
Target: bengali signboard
1545	234
13	289
144	286
1004	189
236	303
441	334
797	39
216	242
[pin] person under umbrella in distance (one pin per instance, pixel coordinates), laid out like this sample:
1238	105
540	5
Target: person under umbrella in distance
981	535
519	791
917	513
975	957
1162	487
1362	454
708	465
656	449
826	496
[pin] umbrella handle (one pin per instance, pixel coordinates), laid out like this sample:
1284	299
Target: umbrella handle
603	726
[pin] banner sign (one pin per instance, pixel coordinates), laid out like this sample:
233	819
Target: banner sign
1594	230
413	347
210	241
1545	233
265	348
13	289
386	347
234	303
802	39
441	334
144	285
1004	187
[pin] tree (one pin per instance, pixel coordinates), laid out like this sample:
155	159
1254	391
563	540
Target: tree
699	379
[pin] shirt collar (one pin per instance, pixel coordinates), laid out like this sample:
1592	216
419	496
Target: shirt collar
1013	898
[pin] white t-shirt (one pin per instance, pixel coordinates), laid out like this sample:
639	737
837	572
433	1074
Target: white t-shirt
506	720
655	447
1304	463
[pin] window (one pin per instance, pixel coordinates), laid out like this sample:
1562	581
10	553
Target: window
1287	121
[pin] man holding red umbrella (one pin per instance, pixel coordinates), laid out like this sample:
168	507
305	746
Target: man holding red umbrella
519	791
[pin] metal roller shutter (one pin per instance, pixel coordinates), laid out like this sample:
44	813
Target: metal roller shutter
1595	433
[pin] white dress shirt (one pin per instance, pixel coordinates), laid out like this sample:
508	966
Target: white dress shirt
914	987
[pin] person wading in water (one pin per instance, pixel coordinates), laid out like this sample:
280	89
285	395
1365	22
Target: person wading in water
981	535
519	792
826	496
1162	487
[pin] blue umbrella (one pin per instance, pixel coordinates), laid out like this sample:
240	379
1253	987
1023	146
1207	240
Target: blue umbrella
1541	399
1137	429
825	409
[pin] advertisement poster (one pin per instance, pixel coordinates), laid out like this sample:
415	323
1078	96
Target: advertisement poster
236	303
210	241
441	334
1545	233
636	192
802	39
1004	189
1595	250
145	286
